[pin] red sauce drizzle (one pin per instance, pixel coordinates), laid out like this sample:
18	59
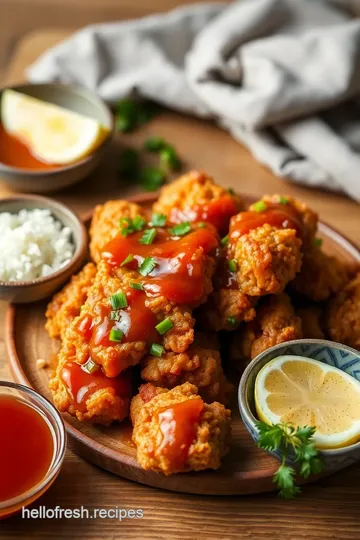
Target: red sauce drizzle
180	263
217	212
15	153
178	425
282	216
81	385
26	448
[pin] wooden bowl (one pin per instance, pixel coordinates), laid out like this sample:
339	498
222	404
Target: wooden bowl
80	100
31	291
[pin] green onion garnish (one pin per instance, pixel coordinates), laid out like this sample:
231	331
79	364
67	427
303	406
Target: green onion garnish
181	229
137	286
164	326
232	265
156	350
158	220
115	315
147	266
148	237
154	144
283	200
259	206
118	300
232	321
138	223
90	366
128	259
318	242
116	335
224	241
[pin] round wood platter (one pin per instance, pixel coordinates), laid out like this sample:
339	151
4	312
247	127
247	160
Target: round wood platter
246	469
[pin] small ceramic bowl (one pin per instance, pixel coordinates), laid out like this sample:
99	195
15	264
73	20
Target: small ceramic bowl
56	425
21	292
80	100
329	352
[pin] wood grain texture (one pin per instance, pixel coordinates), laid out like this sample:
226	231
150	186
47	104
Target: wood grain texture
329	509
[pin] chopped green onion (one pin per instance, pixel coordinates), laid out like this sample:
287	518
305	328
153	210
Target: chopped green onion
126	115
126	226
154	144
118	300
201	225
129	164
259	206
147	266
169	159
115	315
181	229
148	237
90	366
158	220
318	242
164	326
283	200
152	178
156	350
232	265
232	321
224	241
138	223
128	259
116	335
137	286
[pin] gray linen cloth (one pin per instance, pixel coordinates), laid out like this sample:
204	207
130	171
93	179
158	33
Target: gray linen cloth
282	76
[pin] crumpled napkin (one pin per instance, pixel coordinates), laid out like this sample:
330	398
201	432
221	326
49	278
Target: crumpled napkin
283	76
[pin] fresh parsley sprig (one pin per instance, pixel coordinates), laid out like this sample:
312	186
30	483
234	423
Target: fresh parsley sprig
286	438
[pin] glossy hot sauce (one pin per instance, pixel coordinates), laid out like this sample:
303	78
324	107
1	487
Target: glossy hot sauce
217	212
15	153
178	424
81	385
26	448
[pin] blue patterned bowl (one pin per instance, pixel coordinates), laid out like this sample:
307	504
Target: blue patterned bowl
329	352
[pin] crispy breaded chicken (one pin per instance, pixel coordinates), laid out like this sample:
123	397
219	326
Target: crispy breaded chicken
175	431
105	223
66	304
226	309
343	320
311	322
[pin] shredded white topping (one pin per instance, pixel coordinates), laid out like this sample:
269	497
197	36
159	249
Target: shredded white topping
33	244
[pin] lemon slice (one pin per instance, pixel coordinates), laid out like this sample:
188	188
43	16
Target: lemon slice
52	134
303	392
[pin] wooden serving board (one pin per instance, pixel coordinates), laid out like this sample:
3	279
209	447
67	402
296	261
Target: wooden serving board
246	469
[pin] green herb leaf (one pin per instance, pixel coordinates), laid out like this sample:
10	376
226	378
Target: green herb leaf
181	229
285	479
259	206
136	285
116	335
224	241
154	144
128	259
156	350
129	164
169	160
201	225
318	242
118	301
90	366
232	265
138	223
147	266
146	111
148	237
158	220
164	326
152	178
283	200
126	226
115	315
126	115
232	321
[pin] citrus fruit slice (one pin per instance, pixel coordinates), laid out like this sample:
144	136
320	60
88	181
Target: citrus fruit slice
51	133
307	392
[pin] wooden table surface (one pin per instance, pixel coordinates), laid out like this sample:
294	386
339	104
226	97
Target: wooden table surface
329	509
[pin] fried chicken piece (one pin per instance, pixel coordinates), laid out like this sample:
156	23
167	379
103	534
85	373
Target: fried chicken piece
225	309
276	322
66	304
175	431
311	322
343	320
105	223
267	259
196	197
321	275
197	365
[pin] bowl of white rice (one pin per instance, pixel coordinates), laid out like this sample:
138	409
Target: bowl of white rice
42	244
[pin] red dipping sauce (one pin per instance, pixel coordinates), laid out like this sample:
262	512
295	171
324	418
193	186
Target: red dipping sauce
178	424
26	447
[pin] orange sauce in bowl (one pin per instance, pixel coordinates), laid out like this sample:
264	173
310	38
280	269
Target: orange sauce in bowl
14	153
26	448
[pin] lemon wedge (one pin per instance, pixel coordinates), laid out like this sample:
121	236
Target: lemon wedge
51	133
304	391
